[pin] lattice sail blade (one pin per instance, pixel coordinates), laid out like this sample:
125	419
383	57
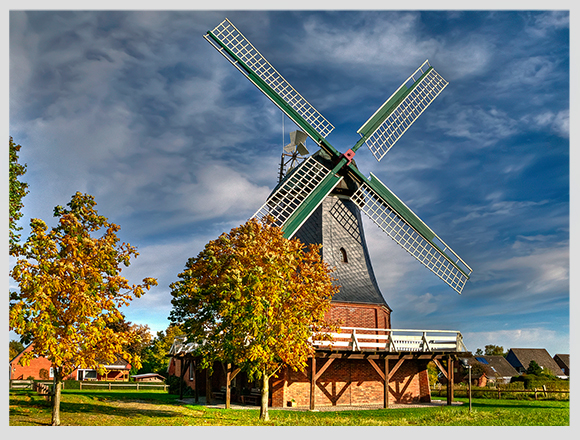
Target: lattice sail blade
411	233
236	48
298	195
401	110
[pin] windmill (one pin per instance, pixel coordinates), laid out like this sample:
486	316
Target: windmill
304	188
294	153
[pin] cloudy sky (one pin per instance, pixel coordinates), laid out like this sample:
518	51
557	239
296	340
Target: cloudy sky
176	146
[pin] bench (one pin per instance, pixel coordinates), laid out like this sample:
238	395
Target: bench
253	398
42	390
220	395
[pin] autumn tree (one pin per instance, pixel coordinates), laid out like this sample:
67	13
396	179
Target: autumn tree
17	191
137	345
71	290
254	298
154	356
15	348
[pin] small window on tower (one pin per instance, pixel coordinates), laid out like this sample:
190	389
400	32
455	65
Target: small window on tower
343	257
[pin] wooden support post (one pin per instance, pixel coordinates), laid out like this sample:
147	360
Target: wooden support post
449	380
312	382
386	384
228	388
196	381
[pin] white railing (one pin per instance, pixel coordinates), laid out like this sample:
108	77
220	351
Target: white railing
374	339
393	340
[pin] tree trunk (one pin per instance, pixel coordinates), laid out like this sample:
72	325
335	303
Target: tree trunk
57	383
264	404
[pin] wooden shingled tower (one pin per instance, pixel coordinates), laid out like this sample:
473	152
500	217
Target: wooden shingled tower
337	225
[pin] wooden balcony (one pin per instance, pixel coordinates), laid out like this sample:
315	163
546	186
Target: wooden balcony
391	341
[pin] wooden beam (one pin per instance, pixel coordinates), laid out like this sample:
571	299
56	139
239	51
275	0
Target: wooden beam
323	369
436	362
397	365
377	369
386	384
381	355
449	380
312	383
228	388
196	381
235	373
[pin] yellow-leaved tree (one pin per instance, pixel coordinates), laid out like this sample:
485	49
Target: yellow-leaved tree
70	292
254	298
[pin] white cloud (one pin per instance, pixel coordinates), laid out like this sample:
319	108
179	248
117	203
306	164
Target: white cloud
376	39
485	127
542	271
539	24
540	337
219	190
528	72
559	122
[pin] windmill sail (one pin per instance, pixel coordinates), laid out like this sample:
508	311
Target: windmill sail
398	113
236	48
410	232
304	188
298	195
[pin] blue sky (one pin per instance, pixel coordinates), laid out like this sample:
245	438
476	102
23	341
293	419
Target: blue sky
176	146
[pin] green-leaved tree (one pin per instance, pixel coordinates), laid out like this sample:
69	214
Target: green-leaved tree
17	191
154	357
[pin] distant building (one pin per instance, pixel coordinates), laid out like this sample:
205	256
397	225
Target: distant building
520	359
563	361
497	369
148	377
40	368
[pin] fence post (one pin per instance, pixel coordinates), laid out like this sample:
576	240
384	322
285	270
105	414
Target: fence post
137	386
498	392
109	386
544	388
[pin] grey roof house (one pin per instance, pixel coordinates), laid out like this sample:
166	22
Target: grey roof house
520	359
563	361
497	368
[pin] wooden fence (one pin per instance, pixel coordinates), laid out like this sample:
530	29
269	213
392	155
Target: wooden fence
498	391
127	385
32	385
21	384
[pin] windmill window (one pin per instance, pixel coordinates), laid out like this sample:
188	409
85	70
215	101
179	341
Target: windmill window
343	257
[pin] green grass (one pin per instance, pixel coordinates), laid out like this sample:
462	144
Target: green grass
150	408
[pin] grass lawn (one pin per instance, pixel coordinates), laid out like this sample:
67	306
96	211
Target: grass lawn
150	408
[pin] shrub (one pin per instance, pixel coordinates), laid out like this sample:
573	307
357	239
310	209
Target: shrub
71	384
176	384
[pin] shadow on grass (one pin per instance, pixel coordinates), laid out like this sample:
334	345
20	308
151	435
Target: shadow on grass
519	404
34	410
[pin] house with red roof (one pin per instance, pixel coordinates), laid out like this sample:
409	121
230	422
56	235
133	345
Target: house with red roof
40	368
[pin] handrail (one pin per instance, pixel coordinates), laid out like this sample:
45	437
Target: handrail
361	339
392	340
